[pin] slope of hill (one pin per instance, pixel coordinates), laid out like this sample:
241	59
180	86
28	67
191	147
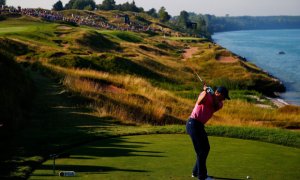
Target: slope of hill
126	81
16	93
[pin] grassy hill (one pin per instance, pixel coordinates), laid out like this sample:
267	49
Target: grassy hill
95	83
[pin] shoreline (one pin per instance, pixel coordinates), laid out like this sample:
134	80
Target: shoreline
264	57
279	102
276	99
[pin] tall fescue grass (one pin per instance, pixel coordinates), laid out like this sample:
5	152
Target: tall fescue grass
13	47
133	99
128	98
95	41
242	113
124	36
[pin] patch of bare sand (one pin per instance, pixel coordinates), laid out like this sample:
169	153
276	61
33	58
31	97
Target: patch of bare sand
227	59
64	28
189	52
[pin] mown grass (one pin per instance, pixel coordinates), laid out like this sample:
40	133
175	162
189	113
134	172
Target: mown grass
5	30
21	22
136	157
29	29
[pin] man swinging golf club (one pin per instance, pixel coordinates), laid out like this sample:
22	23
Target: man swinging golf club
208	102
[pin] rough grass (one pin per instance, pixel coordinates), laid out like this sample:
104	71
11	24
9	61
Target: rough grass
132	94
188	39
166	72
16	93
95	41
241	113
125	36
13	47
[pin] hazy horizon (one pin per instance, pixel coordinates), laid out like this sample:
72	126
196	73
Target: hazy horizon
213	7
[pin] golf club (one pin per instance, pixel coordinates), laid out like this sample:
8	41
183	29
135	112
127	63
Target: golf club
198	76
208	89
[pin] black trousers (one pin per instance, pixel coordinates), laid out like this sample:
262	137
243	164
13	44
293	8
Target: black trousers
201	145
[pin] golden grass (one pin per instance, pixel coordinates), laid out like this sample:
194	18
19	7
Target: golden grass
132	98
241	113
137	100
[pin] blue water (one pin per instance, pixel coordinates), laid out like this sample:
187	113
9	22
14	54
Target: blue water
261	47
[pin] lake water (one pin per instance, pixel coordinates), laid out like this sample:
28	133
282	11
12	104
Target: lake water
262	48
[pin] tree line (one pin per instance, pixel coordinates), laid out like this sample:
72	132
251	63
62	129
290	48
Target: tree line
108	5
220	24
2	2
162	14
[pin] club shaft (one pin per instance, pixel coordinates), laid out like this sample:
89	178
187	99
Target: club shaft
199	77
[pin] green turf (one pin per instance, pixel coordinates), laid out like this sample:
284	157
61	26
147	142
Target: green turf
4	30
172	157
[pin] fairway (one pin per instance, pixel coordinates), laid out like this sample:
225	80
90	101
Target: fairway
4	30
172	157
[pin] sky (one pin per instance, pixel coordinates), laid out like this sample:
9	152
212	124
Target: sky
213	7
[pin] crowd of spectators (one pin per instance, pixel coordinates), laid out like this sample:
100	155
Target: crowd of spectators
92	20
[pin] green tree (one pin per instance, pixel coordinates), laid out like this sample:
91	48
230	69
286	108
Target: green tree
134	8
201	24
129	7
152	12
88	7
69	5
163	14
183	19
80	4
2	2
58	6
107	5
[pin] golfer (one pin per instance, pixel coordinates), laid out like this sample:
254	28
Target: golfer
206	105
